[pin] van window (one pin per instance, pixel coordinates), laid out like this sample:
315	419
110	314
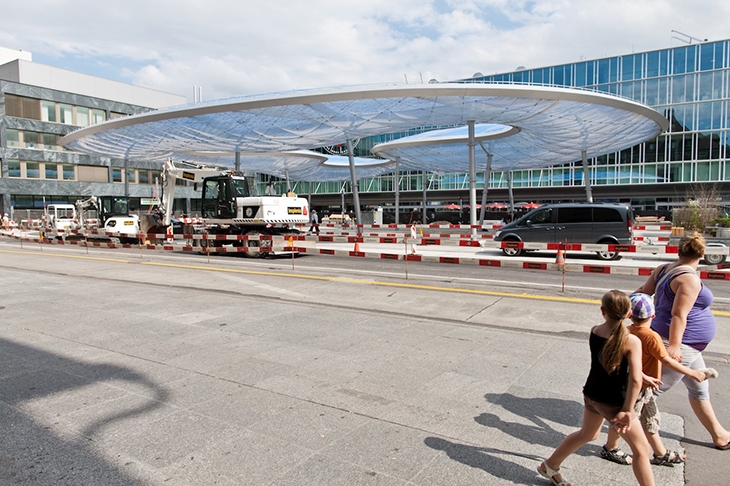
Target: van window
608	215
575	215
542	216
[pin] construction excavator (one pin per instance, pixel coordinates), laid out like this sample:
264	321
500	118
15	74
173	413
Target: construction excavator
229	207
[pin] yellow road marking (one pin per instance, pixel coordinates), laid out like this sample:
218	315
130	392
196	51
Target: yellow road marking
115	260
338	279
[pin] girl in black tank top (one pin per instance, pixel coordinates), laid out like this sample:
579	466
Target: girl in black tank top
610	391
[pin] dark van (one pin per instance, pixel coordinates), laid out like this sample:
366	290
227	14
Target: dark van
603	223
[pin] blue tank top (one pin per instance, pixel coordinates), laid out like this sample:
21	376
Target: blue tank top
701	326
600	385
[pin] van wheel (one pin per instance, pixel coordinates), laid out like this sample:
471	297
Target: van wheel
714	259
512	252
608	255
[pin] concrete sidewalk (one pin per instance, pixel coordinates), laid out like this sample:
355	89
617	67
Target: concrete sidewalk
131	372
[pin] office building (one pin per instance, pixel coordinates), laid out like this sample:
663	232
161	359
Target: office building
38	105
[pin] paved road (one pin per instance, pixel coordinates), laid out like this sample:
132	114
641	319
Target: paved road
168	369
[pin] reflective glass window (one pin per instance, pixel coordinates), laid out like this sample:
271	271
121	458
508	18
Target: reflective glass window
691	59
719	55
678	83
716	115
652	92
613	69
537	76
12	137
82	116
30	140
558	76
69	173
66	114
663	91
603	71
664	57
705	86
131	176
48	111
650	174
704	118
49	141
14	168
627	68
679	62
590	79
707	57
51	170
652	64
32	170
97	116
143	176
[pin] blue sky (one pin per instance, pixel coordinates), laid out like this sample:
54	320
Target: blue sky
239	47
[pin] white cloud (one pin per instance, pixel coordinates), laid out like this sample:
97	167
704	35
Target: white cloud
234	47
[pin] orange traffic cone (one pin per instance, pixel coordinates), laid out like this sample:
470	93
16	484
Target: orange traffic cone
560	259
357	247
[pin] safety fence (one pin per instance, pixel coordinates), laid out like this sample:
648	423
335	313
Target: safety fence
262	244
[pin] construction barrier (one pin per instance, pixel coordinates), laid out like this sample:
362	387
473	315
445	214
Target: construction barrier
286	244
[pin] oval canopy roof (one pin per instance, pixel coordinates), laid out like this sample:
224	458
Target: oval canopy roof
549	122
299	165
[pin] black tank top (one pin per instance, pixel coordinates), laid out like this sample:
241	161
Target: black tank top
600	385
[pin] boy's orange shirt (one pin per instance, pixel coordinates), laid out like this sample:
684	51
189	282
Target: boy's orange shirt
652	350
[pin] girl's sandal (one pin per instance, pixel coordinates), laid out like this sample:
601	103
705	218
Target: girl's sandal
616	455
669	459
550	473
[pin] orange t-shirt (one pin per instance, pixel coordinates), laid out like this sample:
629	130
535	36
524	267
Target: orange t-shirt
652	350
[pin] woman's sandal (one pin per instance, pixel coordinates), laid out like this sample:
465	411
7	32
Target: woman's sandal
616	455
550	473
669	459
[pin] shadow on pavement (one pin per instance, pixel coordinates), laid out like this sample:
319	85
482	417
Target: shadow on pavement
34	453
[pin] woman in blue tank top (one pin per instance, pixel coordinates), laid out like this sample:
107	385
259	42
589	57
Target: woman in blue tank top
687	325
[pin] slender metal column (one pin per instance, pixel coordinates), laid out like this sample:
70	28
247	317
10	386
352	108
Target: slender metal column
586	176
511	196
486	184
472	180
126	177
424	184
238	161
397	190
353	181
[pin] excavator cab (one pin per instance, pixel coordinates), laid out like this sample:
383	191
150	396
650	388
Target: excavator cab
219	196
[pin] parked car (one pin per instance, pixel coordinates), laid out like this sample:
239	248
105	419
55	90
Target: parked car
602	223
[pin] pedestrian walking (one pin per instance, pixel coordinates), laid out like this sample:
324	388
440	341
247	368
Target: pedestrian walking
315	222
610	391
686	324
654	357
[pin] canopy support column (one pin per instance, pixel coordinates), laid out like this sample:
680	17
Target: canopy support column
486	185
511	196
397	190
288	184
126	177
424	184
586	176
472	180
353	181
238	161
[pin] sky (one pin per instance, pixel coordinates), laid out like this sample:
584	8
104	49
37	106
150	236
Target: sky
240	47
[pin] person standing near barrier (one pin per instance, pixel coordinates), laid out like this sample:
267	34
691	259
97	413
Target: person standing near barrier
315	222
654	357
686	324
6	221
610	391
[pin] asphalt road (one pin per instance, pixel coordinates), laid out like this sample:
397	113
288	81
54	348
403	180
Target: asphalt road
168	368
